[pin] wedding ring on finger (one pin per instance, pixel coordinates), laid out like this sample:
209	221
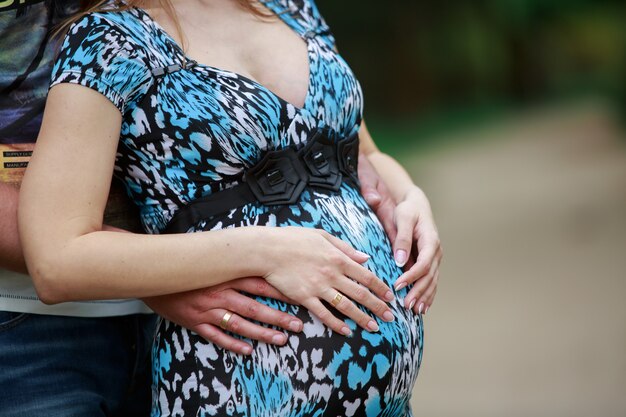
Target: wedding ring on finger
225	320
337	299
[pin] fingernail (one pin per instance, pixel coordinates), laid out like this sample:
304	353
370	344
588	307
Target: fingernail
371	196
420	308
246	350
363	254
372	326
346	331
294	326
389	296
399	285
388	316
426	311
278	339
411	305
400	257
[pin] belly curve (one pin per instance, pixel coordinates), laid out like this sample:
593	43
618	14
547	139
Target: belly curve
364	374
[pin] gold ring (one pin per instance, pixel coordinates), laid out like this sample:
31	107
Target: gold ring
337	299
225	319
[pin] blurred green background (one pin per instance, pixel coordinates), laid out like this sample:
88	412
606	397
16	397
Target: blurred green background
427	66
510	115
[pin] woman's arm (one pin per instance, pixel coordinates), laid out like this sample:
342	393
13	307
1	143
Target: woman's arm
62	203
60	219
414	221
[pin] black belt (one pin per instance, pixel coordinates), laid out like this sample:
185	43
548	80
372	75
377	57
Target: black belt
279	178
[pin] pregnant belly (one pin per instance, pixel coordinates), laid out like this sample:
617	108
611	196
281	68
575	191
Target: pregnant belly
318	372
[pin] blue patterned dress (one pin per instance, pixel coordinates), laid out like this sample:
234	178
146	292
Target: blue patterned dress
193	131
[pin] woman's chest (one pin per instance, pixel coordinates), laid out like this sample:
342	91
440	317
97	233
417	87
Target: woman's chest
213	118
259	46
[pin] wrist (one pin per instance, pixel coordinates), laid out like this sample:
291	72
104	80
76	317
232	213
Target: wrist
413	194
416	198
262	247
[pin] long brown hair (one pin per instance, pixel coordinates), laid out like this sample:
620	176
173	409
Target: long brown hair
90	6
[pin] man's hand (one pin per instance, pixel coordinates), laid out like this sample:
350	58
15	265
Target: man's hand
202	311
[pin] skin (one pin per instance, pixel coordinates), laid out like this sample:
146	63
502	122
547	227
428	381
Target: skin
76	233
223	21
416	242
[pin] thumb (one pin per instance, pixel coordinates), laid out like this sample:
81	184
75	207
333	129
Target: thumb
372	198
404	237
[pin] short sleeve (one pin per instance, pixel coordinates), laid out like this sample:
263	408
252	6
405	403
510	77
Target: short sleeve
97	55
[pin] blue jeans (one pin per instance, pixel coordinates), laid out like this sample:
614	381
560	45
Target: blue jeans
57	366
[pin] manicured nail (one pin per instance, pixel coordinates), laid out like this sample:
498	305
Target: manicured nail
372	326
363	254
420	308
346	331
278	339
294	326
399	285
389	296
411	305
426	311
246	350
401	257
388	316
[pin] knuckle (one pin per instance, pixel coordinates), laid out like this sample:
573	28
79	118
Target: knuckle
267	336
363	321
348	307
336	258
404	238
235	324
411	276
207	292
252	310
214	296
327	270
368	279
211	334
262	287
231	345
359	294
414	293
283	321
323	314
380	308
428	270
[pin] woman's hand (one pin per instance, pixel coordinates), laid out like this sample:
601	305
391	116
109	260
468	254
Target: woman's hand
417	248
311	266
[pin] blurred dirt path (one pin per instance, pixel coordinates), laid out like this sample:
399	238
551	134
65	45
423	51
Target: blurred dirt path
530	318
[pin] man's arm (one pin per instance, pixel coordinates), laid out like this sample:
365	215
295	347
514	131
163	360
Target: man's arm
10	249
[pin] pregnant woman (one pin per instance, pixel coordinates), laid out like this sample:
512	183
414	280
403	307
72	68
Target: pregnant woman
239	143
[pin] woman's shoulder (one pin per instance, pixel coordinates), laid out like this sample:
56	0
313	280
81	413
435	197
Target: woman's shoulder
105	51
126	23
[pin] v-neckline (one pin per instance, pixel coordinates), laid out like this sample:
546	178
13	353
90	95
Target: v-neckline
213	69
